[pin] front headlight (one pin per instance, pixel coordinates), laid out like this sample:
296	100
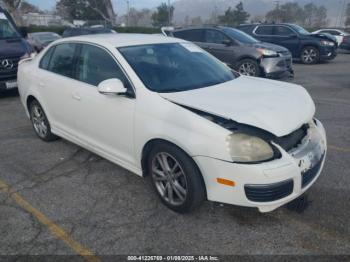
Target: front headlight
327	43
245	148
267	52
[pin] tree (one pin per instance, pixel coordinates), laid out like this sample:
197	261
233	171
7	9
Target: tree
314	16
286	13
140	17
29	8
234	17
161	17
347	15
311	15
196	21
86	10
13	7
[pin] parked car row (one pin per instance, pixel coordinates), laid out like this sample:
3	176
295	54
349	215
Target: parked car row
245	54
308	48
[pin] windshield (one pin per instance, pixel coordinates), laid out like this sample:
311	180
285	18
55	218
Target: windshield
175	67
7	30
240	36
45	38
300	30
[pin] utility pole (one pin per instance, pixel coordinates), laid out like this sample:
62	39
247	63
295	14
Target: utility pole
215	14
169	13
343	14
128	12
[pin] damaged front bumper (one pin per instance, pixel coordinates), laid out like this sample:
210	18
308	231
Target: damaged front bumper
277	67
269	185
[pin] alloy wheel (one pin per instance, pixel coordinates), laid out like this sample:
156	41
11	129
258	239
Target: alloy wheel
309	55
247	69
169	179
39	121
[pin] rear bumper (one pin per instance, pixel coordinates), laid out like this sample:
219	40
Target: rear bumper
269	185
277	67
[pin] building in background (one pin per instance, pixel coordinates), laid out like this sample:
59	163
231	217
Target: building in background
41	19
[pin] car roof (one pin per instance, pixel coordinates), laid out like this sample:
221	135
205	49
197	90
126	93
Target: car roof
201	27
125	39
43	33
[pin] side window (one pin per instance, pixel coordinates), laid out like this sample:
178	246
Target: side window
45	60
333	32
96	65
215	37
62	60
264	30
194	35
283	31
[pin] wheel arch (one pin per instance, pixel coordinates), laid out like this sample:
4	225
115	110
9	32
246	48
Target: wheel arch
29	100
239	59
147	149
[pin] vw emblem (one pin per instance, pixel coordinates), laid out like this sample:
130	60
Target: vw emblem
7	64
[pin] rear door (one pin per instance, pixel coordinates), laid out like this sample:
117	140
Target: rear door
285	36
264	33
215	44
57	86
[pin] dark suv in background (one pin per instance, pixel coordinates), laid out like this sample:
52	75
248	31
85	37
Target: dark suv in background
13	47
309	48
240	51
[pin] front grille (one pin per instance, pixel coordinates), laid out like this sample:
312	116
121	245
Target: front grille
9	73
309	175
292	140
268	193
281	63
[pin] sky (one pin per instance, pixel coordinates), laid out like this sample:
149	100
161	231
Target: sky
120	5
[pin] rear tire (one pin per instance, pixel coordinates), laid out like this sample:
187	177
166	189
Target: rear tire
248	67
40	122
310	55
175	178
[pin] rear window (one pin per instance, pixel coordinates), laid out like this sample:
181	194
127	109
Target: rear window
264	30
62	60
194	35
283	31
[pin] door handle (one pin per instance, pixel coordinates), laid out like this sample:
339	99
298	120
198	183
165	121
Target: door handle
76	96
41	84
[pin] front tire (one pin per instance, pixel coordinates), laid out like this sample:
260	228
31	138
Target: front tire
176	178
40	122
248	67
310	55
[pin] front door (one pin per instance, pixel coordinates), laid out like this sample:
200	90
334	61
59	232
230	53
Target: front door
105	122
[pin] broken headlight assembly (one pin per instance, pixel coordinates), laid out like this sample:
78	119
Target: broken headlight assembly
245	148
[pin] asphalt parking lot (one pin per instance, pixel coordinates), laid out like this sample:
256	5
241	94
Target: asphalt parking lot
60	199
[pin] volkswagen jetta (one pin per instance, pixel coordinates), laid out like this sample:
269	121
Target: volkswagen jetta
162	107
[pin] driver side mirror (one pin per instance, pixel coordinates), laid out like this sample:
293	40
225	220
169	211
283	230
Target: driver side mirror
112	87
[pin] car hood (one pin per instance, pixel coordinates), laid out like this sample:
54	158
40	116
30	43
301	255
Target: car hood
12	47
277	107
324	36
269	46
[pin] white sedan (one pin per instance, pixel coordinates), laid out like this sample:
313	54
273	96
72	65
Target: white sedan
338	34
164	108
